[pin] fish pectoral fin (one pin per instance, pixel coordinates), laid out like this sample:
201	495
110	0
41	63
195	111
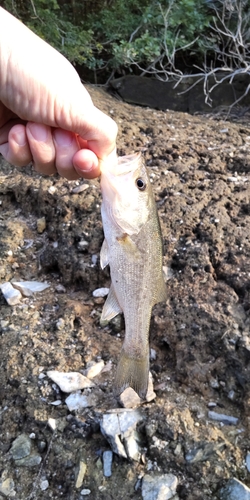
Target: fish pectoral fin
129	245
111	307
132	372
104	254
162	291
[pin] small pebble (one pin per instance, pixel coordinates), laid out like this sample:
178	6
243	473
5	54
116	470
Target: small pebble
129	398
41	225
85	492
231	395
21	447
94	259
248	461
52	190
71	381
82	245
225	419
52	423
76	401
214	383
107	458
234	490
100	292
159	486
41	445
27	288
7	488
94	369
151	428
11	295
203	452
81	474
4	323
60	324
153	354
44	484
178	450
60	289
80	188
31	461
116	427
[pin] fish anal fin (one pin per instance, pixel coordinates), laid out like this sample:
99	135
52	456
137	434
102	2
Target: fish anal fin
111	307
104	254
132	372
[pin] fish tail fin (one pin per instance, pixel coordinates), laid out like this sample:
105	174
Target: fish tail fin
132	372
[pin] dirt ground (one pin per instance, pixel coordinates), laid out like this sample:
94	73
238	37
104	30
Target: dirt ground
200	169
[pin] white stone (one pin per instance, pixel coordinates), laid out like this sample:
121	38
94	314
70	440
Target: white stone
153	354
100	292
27	288
159	487
80	189
248	461
77	401
94	369
52	423
71	381
130	399
7	488
44	484
81	474
234	490
119	428
52	190
11	295
85	492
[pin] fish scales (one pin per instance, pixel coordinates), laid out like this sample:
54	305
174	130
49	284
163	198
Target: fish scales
133	250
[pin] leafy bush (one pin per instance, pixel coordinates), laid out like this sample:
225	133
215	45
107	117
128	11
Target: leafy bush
117	36
54	24
140	31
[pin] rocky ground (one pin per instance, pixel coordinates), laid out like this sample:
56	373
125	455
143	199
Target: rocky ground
51	231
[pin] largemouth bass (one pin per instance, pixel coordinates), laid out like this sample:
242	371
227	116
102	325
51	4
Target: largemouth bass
133	249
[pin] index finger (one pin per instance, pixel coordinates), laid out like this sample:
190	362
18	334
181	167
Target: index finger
99	130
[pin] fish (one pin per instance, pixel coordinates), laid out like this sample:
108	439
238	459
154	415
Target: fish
133	249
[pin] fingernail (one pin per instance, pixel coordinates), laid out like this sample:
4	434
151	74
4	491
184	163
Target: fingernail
87	167
20	140
63	138
39	131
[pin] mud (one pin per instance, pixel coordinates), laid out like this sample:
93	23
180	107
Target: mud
199	168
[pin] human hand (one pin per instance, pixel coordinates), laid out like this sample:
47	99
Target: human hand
46	115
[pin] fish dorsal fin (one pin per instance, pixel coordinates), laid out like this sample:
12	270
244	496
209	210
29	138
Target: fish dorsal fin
111	307
161	295
104	254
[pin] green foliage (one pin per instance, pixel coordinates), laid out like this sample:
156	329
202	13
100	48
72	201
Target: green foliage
52	23
139	31
117	34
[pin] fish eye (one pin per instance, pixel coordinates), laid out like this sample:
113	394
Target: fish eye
141	184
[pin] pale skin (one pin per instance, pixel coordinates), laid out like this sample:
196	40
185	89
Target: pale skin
46	115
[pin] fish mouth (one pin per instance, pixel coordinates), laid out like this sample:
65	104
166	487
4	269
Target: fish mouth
128	163
121	165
